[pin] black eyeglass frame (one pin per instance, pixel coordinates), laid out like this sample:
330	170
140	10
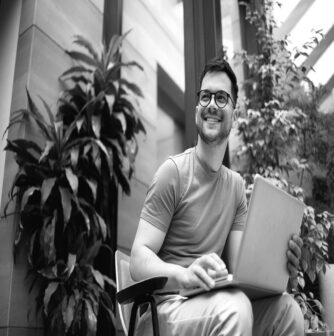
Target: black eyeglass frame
214	94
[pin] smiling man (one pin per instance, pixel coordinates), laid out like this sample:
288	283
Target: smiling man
214	117
191	227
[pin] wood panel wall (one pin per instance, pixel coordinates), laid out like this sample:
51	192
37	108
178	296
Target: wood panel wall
10	12
46	30
149	44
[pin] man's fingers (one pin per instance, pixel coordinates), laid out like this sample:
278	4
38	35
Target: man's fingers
298	240
216	275
204	280
220	262
293	271
292	259
293	283
295	248
206	268
212	261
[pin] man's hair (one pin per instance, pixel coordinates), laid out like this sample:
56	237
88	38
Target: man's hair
218	64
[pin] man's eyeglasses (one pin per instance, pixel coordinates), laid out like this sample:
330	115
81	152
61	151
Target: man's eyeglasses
221	98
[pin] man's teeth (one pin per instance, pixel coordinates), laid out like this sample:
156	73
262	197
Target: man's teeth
212	119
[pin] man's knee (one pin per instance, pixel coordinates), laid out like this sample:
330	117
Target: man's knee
293	315
237	318
278	315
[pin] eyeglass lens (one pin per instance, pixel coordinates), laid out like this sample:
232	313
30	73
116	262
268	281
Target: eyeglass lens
221	98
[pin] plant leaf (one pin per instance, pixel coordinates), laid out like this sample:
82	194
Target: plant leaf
66	198
104	149
51	288
25	198
75	69
103	226
72	180
38	118
91	319
68	311
49	144
84	215
96	125
47	238
18	117
71	261
22	148
82	41
74	156
131	86
48	110
79	123
109	281
81	57
114	46
93	187
91	253
46	189
98	277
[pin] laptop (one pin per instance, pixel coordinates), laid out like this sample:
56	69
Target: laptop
261	269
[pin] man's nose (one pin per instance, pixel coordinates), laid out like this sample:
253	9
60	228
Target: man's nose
212	104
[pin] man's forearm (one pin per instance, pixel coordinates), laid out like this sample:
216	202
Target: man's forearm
145	264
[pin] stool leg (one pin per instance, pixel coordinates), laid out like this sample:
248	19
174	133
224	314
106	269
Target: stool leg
133	319
155	321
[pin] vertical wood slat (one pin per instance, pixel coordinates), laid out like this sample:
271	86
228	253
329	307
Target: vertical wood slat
112	19
112	25
203	41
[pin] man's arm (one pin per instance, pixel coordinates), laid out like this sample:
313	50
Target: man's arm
233	244
145	263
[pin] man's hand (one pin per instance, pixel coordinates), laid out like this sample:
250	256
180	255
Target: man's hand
203	271
294	253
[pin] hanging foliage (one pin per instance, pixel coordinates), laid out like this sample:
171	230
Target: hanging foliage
276	125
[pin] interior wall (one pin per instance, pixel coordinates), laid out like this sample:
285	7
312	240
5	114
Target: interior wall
46	30
149	43
10	11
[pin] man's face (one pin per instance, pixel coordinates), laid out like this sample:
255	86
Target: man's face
214	123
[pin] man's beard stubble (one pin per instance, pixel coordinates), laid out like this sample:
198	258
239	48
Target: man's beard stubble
217	140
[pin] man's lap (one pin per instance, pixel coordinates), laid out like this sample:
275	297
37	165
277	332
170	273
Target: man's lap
227	312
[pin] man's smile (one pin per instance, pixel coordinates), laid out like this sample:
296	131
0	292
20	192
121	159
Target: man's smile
211	118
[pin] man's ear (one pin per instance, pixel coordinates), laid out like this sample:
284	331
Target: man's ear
196	111
235	117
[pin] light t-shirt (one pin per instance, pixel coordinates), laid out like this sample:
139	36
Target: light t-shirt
196	207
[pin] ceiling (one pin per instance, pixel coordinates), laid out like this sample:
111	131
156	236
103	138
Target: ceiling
299	19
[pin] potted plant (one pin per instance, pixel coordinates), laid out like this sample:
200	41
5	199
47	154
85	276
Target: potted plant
326	282
270	126
62	186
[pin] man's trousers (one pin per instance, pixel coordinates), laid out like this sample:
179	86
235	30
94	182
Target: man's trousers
226	313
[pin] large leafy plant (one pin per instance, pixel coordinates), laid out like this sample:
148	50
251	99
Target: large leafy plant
272	127
63	185
103	105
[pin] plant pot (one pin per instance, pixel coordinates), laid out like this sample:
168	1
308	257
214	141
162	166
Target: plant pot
327	295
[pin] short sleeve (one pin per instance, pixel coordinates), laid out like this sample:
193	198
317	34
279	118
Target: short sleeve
161	198
241	210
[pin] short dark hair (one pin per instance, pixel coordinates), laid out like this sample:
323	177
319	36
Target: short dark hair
219	64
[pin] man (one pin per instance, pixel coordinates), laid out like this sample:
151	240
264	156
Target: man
191	227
